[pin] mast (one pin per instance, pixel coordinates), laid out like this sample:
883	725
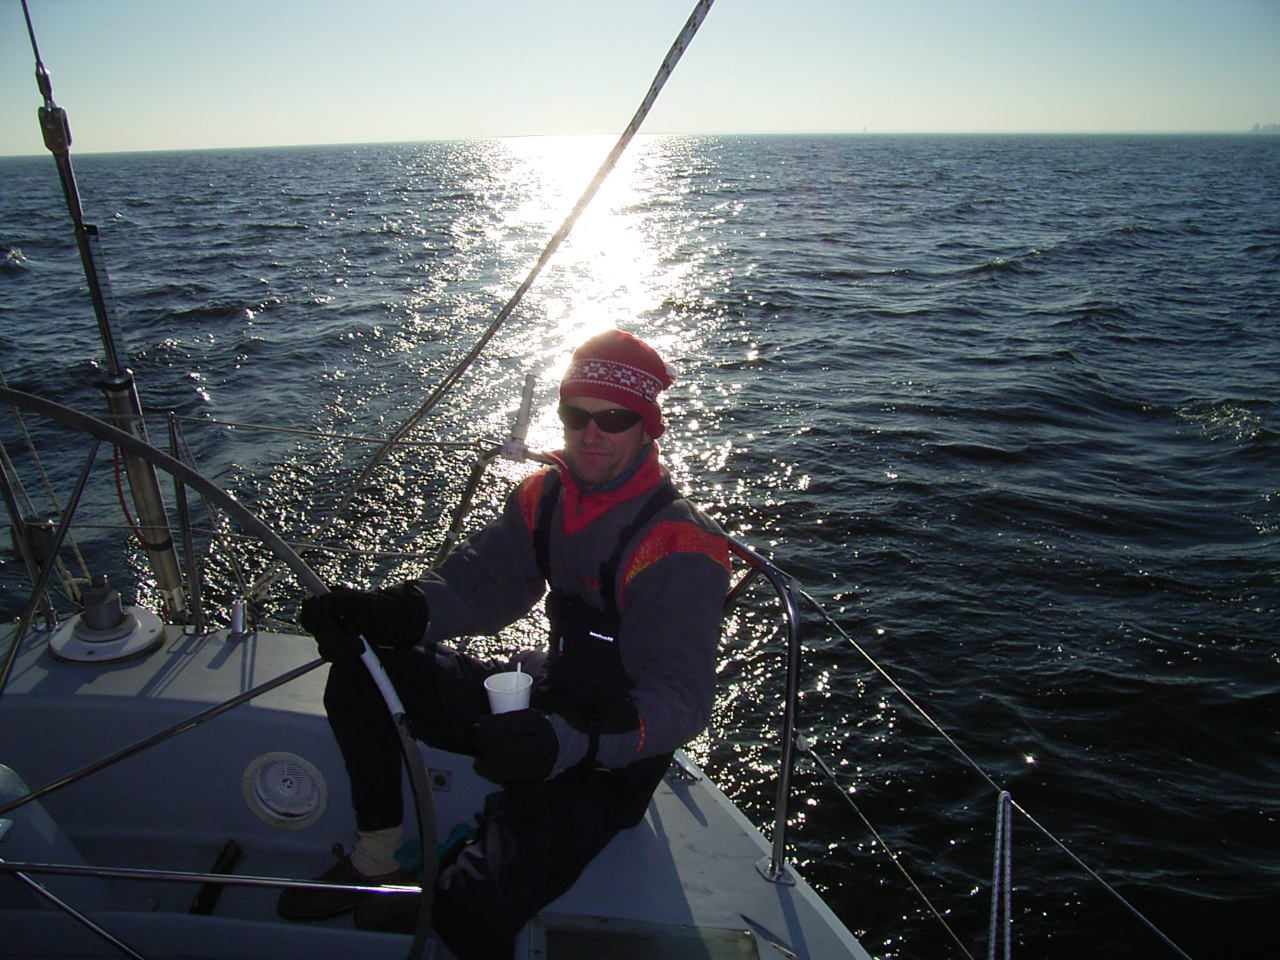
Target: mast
118	384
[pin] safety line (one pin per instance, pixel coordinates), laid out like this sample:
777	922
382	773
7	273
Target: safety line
1109	888
52	494
982	773
807	747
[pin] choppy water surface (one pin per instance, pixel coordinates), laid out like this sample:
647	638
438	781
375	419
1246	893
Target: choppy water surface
1005	406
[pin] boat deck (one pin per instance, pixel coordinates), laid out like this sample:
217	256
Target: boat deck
678	885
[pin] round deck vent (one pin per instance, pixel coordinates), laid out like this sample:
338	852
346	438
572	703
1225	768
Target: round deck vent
285	790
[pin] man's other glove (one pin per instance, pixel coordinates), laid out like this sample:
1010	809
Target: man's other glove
395	617
516	747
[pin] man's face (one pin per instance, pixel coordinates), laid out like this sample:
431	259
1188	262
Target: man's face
597	457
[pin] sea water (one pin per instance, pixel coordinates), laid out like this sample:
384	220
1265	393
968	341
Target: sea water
1006	407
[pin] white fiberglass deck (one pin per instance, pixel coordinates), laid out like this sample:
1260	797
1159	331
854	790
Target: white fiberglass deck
678	885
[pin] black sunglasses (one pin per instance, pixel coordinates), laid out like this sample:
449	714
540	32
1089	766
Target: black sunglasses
610	421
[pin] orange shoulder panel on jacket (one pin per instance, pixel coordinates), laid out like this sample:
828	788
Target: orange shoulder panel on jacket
530	495
675	536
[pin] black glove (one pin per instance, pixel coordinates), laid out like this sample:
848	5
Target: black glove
395	617
516	747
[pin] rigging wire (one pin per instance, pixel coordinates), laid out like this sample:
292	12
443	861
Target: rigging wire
47	483
1110	889
664	72
124	501
1001	875
215	532
678	47
982	773
906	696
807	747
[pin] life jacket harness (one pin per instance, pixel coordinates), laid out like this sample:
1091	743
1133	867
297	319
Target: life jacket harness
586	679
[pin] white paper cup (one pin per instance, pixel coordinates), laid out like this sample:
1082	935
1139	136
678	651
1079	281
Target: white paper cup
508	691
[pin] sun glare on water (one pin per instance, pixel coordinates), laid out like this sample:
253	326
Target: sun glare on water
620	263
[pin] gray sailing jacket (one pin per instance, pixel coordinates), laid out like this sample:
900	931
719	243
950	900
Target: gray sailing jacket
670	593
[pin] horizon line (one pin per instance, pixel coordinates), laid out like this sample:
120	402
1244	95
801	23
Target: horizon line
1259	129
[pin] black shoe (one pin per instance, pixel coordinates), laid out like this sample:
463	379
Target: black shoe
298	903
389	913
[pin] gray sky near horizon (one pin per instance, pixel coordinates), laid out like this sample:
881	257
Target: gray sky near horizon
186	74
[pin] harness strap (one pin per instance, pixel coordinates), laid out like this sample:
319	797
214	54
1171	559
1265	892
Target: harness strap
662	496
542	523
573	613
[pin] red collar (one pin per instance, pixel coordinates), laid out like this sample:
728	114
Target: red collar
582	508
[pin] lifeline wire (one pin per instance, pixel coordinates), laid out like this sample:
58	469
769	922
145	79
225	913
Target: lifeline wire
982	773
132	444
664	71
1112	890
803	743
38	464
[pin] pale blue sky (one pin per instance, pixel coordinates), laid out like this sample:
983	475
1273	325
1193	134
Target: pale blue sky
177	74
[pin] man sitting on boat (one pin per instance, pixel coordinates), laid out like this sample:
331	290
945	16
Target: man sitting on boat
637	579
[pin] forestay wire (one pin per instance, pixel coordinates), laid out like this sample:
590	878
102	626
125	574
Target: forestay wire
1004	826
673	56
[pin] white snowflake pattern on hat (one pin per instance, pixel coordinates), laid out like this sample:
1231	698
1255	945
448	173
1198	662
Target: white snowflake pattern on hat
611	373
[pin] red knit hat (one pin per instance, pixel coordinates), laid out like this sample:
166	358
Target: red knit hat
619	367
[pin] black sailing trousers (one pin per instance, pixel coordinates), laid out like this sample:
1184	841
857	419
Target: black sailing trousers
534	839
